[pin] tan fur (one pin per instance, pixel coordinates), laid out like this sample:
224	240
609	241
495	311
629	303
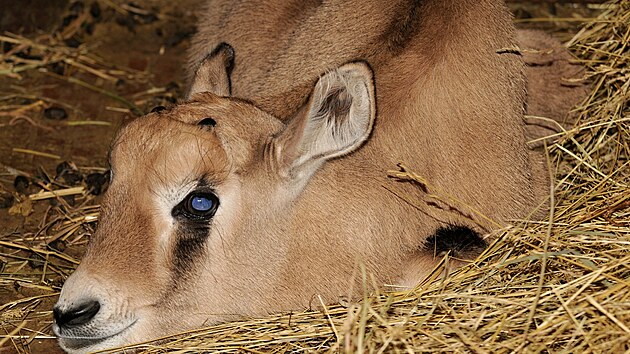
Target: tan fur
450	96
554	84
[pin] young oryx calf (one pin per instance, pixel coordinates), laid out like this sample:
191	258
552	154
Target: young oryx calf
221	208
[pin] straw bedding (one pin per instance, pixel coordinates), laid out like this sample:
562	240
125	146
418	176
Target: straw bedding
557	285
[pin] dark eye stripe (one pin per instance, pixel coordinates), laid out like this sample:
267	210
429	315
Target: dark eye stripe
189	247
194	218
193	215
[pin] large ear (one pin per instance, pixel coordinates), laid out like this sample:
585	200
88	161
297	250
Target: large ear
336	120
213	73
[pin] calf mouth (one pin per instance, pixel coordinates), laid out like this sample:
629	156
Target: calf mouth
79	340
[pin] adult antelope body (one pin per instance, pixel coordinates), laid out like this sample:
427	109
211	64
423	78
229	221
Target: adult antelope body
269	185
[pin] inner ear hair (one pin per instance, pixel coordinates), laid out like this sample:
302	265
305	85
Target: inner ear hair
335	106
335	121
344	101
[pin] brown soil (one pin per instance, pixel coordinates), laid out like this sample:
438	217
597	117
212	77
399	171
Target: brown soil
149	43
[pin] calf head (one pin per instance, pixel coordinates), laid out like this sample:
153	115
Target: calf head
191	228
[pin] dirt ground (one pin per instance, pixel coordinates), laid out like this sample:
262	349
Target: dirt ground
141	48
86	66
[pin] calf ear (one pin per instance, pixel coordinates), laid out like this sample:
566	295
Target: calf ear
213	73
336	120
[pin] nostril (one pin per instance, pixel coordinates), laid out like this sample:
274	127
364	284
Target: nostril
76	316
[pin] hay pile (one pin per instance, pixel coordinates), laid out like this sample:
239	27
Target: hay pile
559	285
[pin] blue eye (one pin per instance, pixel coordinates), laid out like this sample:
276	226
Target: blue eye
198	206
201	204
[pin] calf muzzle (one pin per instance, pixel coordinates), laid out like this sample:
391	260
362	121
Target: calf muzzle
76	316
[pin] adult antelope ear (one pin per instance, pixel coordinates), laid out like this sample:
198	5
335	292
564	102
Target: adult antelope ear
335	121
213	73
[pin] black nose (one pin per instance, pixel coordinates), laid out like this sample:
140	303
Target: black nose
76	316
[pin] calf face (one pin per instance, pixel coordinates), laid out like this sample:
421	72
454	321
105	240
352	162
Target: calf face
193	227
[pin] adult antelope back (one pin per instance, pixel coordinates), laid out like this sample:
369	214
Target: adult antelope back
269	185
